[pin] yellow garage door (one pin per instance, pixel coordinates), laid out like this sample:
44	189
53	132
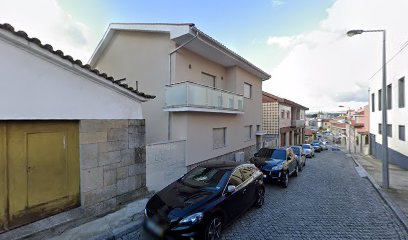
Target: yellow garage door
41	164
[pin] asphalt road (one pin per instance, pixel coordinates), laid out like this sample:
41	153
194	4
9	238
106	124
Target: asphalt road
328	200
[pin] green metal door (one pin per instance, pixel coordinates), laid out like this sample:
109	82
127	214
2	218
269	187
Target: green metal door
42	165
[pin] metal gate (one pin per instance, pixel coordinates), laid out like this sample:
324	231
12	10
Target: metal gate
39	170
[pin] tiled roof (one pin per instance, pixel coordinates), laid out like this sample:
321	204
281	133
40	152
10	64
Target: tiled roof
267	97
78	62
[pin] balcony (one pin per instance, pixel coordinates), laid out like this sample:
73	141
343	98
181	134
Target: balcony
298	123
194	97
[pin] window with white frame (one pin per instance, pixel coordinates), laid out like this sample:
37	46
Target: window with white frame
248	132
247	90
219	137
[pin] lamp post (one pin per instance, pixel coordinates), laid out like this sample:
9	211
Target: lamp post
385	172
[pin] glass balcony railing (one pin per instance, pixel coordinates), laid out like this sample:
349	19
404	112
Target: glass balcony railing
189	96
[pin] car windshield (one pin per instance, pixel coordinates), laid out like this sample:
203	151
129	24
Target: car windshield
296	150
315	144
306	146
211	179
271	153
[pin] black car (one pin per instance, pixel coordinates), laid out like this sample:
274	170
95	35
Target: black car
277	164
202	202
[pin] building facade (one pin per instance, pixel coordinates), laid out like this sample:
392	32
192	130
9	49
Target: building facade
70	136
208	97
282	120
397	112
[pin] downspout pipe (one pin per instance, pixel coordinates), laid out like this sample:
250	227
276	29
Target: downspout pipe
170	74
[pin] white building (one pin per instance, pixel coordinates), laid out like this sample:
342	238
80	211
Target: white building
208	104
397	111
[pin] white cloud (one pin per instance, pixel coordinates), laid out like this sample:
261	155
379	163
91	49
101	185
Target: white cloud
45	20
324	67
282	42
277	2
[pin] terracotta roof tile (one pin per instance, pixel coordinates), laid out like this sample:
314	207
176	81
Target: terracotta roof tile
69	58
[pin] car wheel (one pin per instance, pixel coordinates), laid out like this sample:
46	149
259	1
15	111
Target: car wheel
285	181
296	173
260	197
213	229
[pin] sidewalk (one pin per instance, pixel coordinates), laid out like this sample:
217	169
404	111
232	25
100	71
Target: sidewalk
398	191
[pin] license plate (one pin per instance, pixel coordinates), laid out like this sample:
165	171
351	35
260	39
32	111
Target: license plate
156	229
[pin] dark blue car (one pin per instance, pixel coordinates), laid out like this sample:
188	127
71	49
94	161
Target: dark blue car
277	164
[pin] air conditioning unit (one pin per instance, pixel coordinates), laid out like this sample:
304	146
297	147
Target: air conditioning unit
239	156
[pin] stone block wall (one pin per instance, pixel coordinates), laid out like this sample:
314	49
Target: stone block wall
113	163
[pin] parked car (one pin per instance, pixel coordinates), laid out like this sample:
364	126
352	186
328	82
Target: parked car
309	150
324	146
203	201
301	157
317	147
277	164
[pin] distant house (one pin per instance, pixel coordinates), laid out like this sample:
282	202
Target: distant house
282	120
70	136
208	105
357	130
309	135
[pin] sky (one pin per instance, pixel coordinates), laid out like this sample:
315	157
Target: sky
302	44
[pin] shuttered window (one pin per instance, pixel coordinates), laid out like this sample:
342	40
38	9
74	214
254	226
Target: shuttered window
219	137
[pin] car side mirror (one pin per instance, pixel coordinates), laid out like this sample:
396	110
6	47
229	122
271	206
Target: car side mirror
230	189
256	155
288	158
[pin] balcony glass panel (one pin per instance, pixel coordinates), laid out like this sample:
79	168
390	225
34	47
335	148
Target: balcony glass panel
188	94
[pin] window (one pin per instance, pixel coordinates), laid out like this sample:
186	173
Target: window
248	132
247	90
246	172
357	141
379	100
401	132
401	92
372	102
219	137
389	130
380	128
288	115
389	96
207	79
236	178
366	140
282	114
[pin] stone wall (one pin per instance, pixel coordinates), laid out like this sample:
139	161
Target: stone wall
249	152
113	163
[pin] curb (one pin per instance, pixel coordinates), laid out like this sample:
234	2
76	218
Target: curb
384	196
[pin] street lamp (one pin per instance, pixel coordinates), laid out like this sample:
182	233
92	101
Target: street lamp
385	173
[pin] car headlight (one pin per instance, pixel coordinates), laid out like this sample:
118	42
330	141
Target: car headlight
194	218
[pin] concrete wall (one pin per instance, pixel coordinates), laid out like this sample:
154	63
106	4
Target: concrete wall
142	57
165	163
113	163
248	153
47	87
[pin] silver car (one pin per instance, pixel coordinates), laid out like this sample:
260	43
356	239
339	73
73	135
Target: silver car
308	150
